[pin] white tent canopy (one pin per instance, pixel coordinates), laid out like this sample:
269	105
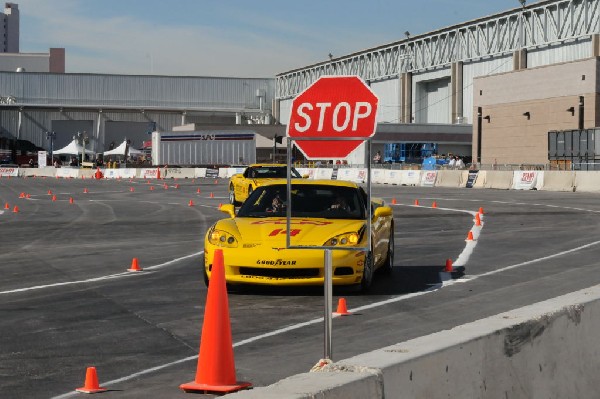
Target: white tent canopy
120	150
73	148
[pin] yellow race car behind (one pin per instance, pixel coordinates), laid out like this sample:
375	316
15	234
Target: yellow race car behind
324	213
241	185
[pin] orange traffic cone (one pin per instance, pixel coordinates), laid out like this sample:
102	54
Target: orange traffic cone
27	196
177	186
216	181
470	236
481	210
131	189
151	188
394	202
158	173
198	191
134	266
191	203
85	191
416	202
16	209
212	195
477	219
71	200
91	382
6	206
216	366
342	310
448	267
22	195
434	205
54	198
49	192
220	205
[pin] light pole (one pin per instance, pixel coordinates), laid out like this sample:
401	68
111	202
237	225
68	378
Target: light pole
84	140
51	136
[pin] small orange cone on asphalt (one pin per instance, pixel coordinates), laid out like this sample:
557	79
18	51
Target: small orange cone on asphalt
481	210
434	205
216	366
216	181
151	188
470	236
177	186
394	202
212	195
220	205
27	196
131	189
342	308
416	202
6	206
49	192
191	203
71	200
448	267
85	191
91	382
477	219
134	266
16	209
198	191
22	195
54	198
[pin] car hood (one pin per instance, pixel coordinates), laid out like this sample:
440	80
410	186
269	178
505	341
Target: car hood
272	231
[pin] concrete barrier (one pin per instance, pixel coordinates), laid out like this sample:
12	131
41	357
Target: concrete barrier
497	179
545	350
410	177
559	180
450	178
588	181
428	178
527	180
48	171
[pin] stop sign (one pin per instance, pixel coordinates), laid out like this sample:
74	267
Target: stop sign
333	107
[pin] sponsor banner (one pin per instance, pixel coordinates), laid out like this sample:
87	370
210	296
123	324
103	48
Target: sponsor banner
323	173
527	179
212	173
472	178
361	175
125	173
148	173
178	173
67	172
428	178
377	176
6	172
42	157
410	177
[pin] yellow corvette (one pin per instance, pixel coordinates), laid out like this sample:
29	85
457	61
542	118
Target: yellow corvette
241	185
324	213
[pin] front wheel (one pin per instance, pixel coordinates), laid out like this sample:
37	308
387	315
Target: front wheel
204	273
232	195
388	266
367	278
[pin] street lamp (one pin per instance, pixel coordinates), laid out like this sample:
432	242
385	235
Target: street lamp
51	136
84	140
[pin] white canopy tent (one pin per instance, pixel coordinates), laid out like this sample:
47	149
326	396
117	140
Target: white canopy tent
120	150
74	148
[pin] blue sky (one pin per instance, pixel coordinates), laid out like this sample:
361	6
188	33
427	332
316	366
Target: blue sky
228	38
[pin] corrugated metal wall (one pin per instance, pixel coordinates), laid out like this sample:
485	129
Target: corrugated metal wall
565	52
389	100
432	96
481	67
137	91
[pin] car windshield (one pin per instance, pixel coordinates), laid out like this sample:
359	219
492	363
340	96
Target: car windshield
308	200
270	172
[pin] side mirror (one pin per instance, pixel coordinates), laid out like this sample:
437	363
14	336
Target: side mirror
228	209
382	211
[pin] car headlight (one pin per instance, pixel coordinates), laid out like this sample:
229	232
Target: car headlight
346	239
222	238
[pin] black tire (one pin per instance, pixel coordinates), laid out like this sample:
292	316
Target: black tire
388	266
232	195
367	278
204	274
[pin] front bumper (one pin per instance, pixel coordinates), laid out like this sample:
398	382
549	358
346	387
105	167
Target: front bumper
287	267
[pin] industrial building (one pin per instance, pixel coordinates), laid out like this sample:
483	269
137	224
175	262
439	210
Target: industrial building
462	89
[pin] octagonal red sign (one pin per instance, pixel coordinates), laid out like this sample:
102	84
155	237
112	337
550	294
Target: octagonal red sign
333	107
